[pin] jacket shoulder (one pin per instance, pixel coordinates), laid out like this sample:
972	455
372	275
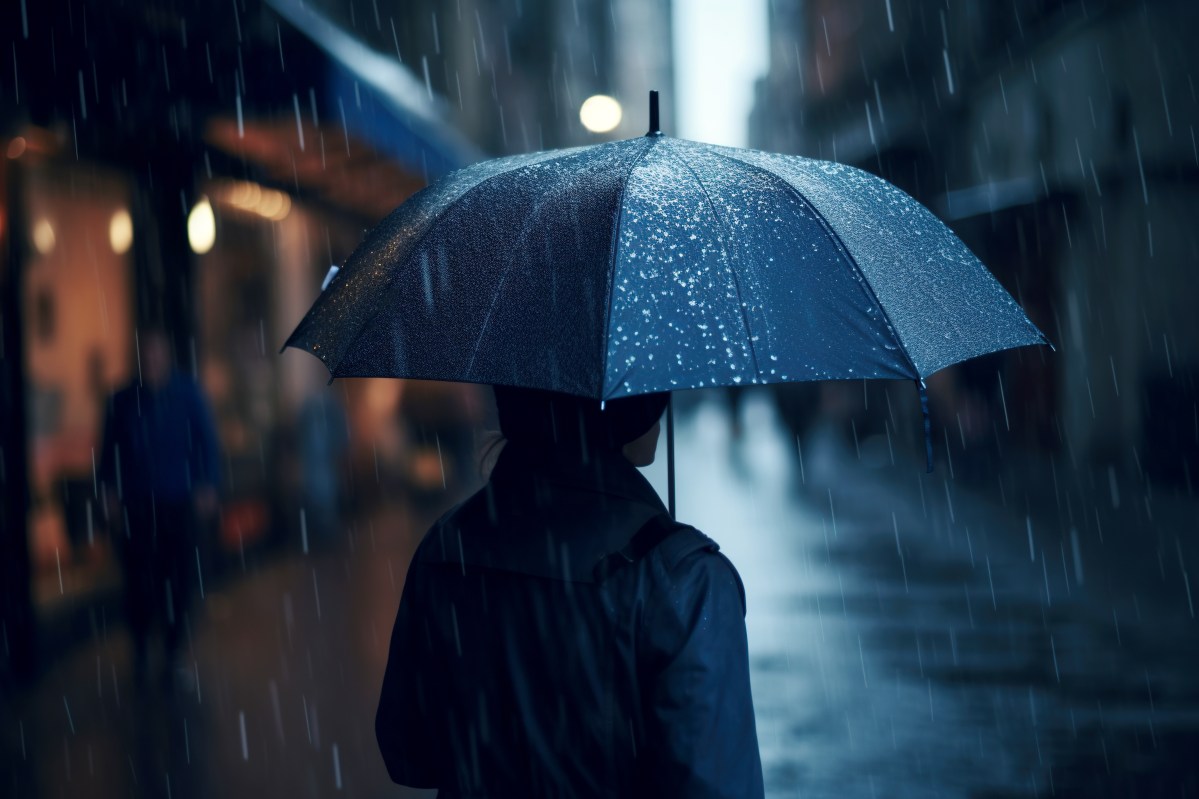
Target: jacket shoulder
681	541
688	548
680	549
432	546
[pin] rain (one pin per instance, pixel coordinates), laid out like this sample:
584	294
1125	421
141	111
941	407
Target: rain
918	278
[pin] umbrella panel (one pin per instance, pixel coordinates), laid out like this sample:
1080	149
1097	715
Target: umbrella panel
360	294
511	285
726	276
944	305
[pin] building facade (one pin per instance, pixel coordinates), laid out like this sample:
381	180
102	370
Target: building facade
1058	140
202	168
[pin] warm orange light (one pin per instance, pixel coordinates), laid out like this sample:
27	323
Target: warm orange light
43	236
16	147
248	196
120	231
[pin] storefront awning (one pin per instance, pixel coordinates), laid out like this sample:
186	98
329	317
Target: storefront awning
363	137
380	100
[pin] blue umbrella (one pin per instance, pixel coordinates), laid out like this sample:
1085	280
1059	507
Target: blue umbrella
655	264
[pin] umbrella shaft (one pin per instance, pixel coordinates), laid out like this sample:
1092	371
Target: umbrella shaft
670	456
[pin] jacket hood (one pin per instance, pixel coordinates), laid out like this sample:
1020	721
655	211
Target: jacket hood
546	516
575	426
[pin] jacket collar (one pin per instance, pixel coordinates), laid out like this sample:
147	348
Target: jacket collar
604	472
545	516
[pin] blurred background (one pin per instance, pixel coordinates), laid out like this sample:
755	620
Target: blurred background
1021	622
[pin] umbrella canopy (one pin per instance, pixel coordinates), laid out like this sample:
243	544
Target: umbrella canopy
654	264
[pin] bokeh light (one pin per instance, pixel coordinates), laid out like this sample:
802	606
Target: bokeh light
600	113
120	231
43	236
201	227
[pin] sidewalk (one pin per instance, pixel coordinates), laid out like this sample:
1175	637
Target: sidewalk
279	700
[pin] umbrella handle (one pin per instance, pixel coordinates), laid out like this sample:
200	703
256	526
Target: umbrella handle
670	456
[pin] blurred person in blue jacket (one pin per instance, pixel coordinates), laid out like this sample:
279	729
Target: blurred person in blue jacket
160	467
324	438
560	635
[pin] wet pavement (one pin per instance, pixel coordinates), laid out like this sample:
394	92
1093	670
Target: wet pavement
277	697
910	636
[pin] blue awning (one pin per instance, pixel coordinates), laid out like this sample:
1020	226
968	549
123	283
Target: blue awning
380	101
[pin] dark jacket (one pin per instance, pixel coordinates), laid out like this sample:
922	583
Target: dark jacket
159	443
518	668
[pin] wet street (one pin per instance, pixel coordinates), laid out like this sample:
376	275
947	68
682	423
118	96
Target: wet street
909	636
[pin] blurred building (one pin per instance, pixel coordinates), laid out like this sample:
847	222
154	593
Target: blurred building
1059	141
515	73
204	167
203	170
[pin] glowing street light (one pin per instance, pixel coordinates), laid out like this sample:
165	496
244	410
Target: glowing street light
600	113
201	226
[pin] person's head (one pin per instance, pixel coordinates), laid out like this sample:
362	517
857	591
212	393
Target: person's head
641	450
154	355
576	426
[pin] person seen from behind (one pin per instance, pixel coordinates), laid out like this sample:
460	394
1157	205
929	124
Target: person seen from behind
560	635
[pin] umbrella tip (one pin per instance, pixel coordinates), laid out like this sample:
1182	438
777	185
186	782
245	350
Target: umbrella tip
654	128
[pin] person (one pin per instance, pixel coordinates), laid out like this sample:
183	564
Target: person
323	438
559	635
160	466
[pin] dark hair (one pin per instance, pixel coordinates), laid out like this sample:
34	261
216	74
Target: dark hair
566	422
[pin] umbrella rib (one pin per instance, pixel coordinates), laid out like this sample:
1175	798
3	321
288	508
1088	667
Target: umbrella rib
840	246
749	334
614	250
495	298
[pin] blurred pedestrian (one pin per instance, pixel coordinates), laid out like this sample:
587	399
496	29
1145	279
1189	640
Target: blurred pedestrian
160	466
323	429
560	635
735	397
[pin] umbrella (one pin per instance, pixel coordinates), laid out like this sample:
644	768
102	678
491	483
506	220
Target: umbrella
656	264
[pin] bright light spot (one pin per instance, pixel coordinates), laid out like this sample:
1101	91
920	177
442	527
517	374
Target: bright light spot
43	236
120	232
250	197
16	147
245	194
274	205
201	227
600	113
